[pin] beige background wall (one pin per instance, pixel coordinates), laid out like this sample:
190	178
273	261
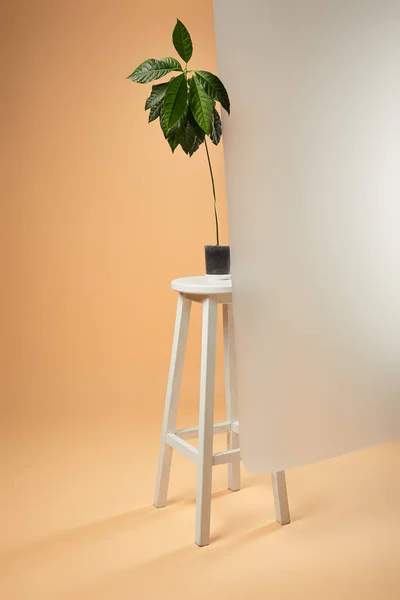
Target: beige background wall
98	217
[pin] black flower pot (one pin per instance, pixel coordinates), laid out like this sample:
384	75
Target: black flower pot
218	260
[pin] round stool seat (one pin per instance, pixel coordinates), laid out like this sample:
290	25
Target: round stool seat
204	285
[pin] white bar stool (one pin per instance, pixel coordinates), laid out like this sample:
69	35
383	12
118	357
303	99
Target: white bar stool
209	293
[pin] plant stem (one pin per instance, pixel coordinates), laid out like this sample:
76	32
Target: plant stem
214	194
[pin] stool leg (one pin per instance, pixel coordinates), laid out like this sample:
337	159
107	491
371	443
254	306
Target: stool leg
172	399
230	393
206	422
280	498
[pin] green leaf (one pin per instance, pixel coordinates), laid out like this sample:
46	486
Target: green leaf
155	112
193	135
186	133
162	122
171	136
201	104
182	41
176	134
156	96
216	128
152	69
199	131
175	101
189	134
173	139
189	140
214	88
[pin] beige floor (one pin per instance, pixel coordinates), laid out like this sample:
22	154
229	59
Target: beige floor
343	543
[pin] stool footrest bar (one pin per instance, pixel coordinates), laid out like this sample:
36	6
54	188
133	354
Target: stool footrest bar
179	444
223	458
219	458
191	433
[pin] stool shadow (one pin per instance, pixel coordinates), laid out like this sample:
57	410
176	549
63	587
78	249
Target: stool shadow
248	537
139	574
183	558
94	530
191	501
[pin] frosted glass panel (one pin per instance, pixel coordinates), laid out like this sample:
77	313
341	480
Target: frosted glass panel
312	152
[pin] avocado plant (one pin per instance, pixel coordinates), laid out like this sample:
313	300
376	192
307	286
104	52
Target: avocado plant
185	107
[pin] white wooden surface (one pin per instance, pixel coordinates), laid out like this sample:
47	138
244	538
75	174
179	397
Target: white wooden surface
206	422
172	398
202	285
281	498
